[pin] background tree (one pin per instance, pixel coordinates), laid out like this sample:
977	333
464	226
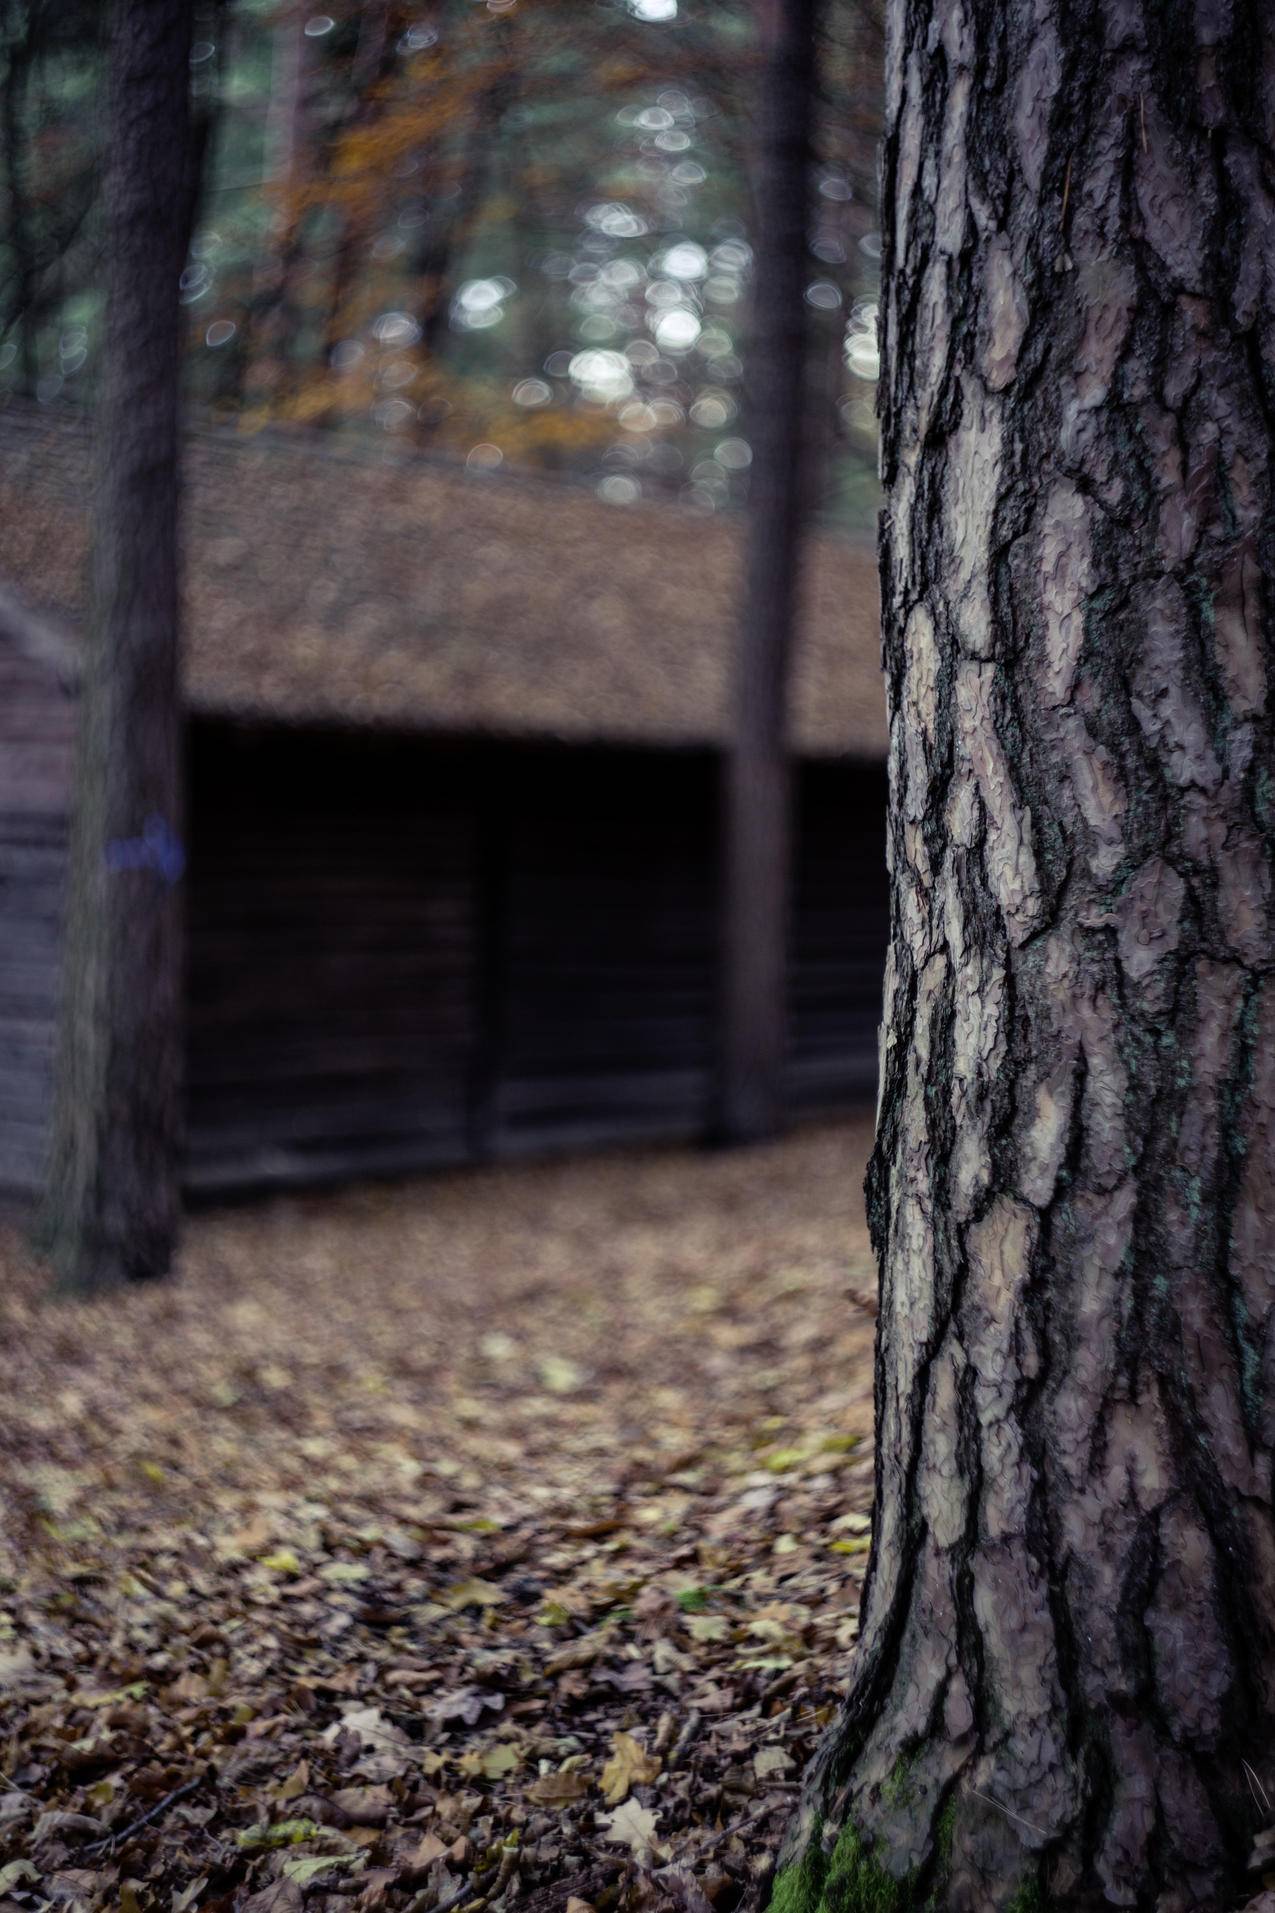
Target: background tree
112	1204
1067	1656
757	774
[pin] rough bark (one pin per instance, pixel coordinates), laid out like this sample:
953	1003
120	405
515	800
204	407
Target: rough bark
1067	1650
111	1210
757	795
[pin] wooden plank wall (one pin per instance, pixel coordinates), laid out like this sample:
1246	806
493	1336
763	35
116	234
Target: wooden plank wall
840	920
331	924
406	953
37	725
607	1011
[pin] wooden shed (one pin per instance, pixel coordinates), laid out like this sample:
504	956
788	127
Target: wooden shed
453	809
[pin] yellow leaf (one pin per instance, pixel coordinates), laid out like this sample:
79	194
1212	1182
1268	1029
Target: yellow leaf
282	1562
493	1764
473	1593
629	1766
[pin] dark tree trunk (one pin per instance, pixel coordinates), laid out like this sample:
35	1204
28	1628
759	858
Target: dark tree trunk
757	796
1067	1650
112	1204
450	227
276	316
13	94
373	59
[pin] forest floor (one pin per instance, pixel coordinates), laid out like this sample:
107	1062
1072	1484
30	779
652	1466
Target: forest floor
494	1539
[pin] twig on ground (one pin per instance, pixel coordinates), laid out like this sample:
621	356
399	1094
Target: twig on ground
693	1724
423	1903
135	1826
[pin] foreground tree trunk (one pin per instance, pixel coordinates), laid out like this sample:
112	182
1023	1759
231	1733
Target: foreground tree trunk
757	806
1067	1654
112	1204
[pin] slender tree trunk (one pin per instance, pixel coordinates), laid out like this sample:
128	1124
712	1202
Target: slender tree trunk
1067	1652
446	235
373	58
757	797
13	95
112	1204
276	318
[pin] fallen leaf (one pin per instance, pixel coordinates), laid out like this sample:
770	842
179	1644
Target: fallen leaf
66	1825
473	1593
493	1764
558	1790
295	1783
280	1833
629	1766
281	1896
430	1849
559	1376
363	1806
283	1561
467	1704
631	1826
302	1871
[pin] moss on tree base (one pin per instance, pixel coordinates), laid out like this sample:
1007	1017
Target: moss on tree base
849	1879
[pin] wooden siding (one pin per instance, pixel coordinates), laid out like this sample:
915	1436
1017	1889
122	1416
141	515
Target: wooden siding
837	956
406	953
607	1003
37	721
331	933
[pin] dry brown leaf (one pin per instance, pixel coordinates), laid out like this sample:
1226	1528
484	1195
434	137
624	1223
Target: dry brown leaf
629	1766
363	1806
281	1896
558	1790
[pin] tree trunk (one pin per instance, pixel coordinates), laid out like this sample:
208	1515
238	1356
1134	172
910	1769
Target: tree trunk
1067	1651
757	794
112	1204
277	318
22	314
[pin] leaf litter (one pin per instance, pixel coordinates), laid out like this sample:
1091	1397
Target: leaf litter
484	1541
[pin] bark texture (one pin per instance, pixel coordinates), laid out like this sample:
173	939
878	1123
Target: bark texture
758	827
111	1210
1067	1652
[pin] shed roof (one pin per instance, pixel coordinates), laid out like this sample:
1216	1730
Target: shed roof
358	586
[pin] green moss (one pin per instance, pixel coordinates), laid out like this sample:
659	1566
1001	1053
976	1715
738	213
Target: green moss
898	1790
851	1880
848	1881
799	1888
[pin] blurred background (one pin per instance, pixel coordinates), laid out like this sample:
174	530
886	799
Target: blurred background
484	1535
536	736
518	231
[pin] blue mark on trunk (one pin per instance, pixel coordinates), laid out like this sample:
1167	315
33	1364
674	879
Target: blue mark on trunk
158	849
